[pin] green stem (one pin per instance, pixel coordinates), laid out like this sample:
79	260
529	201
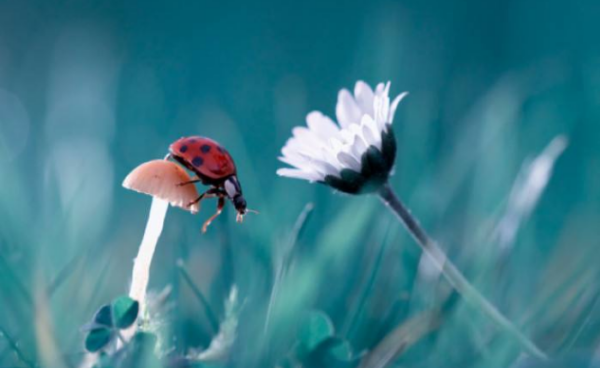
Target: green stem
452	274
364	296
12	344
120	337
210	315
284	261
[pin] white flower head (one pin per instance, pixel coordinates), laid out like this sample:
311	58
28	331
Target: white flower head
356	154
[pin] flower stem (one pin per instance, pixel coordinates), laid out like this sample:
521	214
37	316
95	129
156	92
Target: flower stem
452	274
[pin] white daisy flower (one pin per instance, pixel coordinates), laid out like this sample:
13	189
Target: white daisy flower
356	154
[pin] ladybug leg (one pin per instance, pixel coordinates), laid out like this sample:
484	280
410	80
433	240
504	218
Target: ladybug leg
195	180
196	200
208	194
220	206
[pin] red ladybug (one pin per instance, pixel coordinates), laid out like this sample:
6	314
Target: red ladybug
214	166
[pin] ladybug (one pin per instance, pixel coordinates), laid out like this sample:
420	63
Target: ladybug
213	166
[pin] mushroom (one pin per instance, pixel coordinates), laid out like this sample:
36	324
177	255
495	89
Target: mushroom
162	180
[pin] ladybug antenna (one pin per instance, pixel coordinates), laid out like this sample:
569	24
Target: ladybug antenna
240	216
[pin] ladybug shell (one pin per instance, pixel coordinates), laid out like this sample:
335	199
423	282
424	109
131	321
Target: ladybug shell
205	157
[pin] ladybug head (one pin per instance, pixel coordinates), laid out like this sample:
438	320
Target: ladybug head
240	204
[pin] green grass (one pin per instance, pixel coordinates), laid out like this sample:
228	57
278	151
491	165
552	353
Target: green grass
358	268
108	86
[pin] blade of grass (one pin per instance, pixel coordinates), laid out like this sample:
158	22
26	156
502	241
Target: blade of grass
227	269
13	278
285	259
65	273
401	339
3	353
370	281
586	320
526	192
557	294
210	314
47	344
14	347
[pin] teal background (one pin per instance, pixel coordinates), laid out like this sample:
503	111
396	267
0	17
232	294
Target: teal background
90	89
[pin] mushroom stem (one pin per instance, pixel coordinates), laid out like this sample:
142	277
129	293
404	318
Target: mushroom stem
143	261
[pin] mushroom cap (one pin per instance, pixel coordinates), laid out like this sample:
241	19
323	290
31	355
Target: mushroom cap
162	179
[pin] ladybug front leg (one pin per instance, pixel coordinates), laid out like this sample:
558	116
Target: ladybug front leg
220	206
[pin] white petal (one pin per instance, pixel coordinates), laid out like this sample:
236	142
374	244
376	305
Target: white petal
385	108
294	146
299	156
321	166
335	145
329	169
364	97
308	138
347	137
296	161
305	135
353	144
307	159
359	143
322	125
349	161
394	105
330	156
381	106
298	174
332	150
310	159
370	132
346	110
356	150
379	89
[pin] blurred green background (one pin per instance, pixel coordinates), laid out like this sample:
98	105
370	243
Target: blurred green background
90	89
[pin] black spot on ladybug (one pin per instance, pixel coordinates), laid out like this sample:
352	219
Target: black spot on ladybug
197	161
183	149
205	148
